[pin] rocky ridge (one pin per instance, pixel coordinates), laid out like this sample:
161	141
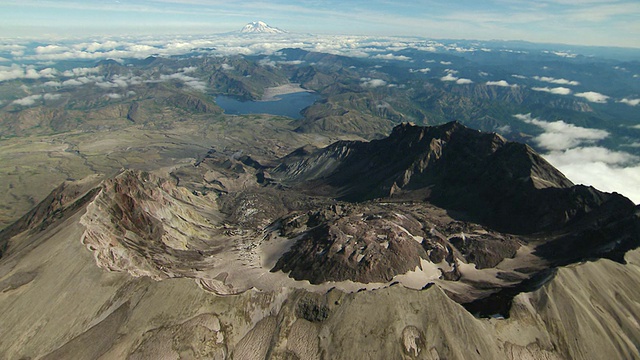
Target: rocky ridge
503	184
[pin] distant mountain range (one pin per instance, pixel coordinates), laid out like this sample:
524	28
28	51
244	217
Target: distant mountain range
259	27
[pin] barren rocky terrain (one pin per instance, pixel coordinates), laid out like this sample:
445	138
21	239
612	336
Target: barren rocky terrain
149	224
238	255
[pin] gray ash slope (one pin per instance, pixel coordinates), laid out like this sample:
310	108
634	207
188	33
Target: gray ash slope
501	194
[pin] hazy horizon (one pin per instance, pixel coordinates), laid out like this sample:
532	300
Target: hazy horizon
570	22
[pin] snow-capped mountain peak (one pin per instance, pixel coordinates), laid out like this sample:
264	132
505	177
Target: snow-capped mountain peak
260	27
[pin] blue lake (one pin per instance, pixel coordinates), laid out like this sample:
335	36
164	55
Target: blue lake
288	105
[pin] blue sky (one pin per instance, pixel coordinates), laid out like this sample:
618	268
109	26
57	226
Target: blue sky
581	22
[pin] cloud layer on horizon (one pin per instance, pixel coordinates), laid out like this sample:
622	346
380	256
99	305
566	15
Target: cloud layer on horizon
591	22
218	45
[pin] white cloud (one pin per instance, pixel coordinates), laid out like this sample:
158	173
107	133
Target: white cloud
48	72
88	79
519	76
556	81
630	102
141	49
50	49
559	135
593	96
104	84
557	90
502	83
108	50
53	83
392	57
606	170
226	67
449	77
594	154
72	82
354	46
96	46
11	72
292	62
51	96
117	81
266	62
196	85
114	96
28	101
17	72
445	62
176	76
11	47
81	71
372	83
562	54
424	71
505	129
189	81
189	69
31	74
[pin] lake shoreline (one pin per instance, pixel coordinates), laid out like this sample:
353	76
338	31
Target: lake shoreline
286	101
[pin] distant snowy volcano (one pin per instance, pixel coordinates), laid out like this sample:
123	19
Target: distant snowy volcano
259	27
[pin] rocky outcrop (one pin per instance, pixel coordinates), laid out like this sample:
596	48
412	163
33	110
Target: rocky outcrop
138	224
375	243
194	104
352	245
240	233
